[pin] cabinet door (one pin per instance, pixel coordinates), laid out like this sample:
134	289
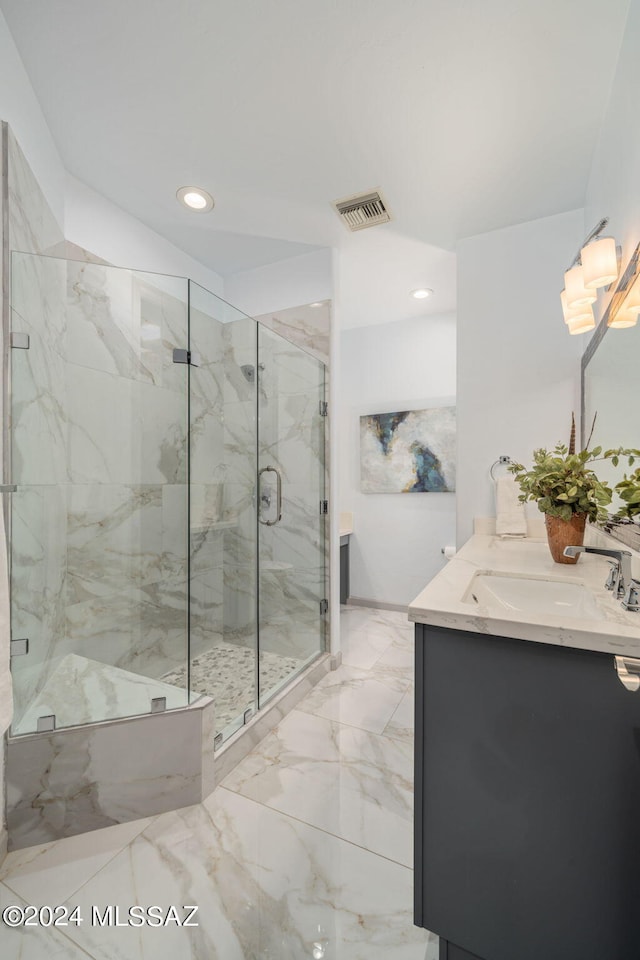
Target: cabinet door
527	799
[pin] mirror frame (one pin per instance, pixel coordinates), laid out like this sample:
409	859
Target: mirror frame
626	531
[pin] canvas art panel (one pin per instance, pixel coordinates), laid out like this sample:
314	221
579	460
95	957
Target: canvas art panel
412	451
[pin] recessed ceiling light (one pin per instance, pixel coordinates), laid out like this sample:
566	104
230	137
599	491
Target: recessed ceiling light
195	198
318	303
421	293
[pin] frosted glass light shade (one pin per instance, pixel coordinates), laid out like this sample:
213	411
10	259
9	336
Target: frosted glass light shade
577	293
577	313
599	263
581	324
632	299
627	317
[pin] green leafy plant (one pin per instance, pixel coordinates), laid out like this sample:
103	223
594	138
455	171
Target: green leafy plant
628	489
563	483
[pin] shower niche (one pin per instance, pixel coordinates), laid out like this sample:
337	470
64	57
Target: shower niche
167	542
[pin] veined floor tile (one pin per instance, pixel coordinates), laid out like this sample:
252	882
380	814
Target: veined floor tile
360	648
357	697
401	725
34	943
65	865
354	784
398	656
268	888
383	624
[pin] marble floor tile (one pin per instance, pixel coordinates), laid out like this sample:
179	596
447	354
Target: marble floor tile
401	724
357	697
34	943
391	622
269	888
351	783
361	648
65	865
303	851
399	658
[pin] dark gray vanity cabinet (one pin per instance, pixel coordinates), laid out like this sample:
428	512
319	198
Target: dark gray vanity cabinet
527	800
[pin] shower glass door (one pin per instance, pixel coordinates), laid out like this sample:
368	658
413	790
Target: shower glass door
99	460
222	512
291	528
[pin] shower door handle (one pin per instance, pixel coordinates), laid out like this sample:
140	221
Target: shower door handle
278	518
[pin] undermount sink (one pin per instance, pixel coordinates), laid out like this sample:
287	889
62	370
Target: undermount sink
527	595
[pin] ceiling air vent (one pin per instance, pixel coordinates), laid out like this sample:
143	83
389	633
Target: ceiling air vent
363	210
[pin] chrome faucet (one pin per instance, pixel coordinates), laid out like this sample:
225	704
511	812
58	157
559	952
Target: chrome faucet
619	581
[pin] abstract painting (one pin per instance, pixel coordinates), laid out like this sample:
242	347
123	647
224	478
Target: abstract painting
412	451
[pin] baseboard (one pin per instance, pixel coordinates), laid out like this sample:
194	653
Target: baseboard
377	604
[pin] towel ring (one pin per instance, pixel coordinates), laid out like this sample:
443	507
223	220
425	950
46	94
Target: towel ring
501	461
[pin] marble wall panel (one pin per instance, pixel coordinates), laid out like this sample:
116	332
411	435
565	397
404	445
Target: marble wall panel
38	381
114	538
129	433
81	779
207	443
305	326
121	325
32	226
143	630
208	378
239	340
38	574
174	530
239	602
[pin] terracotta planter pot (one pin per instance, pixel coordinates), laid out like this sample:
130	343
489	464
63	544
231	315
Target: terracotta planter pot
565	533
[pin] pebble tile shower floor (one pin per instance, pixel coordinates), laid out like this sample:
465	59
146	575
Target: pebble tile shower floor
227	674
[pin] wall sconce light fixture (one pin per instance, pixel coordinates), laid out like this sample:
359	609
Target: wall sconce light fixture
625	306
595	265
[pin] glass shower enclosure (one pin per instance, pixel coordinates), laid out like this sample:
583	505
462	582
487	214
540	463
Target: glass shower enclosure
167	540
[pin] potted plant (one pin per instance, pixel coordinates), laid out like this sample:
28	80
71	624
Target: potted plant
567	490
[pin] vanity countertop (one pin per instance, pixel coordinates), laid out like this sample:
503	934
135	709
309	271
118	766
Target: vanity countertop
441	602
346	524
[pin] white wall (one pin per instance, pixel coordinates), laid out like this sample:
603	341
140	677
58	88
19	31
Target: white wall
408	364
614	186
20	108
287	283
518	368
101	227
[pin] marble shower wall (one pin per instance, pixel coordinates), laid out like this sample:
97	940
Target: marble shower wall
100	456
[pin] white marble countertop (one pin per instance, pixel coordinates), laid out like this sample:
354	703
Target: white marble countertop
346	524
441	602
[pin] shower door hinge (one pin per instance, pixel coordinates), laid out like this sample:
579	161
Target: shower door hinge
246	716
20	341
324	507
217	741
186	356
324	408
158	704
19	648
46	724
324	607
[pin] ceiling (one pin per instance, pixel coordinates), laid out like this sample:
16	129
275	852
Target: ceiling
469	114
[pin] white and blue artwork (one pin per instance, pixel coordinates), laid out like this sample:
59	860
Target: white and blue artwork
412	451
